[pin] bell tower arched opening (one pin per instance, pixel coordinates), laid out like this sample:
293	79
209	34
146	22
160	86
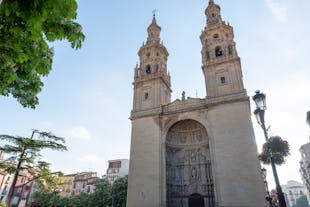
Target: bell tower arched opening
188	165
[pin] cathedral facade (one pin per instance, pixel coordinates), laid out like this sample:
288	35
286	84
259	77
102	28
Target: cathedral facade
193	152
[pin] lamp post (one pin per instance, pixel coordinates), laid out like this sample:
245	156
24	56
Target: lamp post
268	197
260	101
308	118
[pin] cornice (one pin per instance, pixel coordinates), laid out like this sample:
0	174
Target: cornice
189	105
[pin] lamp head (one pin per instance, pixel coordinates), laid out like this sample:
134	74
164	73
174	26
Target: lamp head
260	100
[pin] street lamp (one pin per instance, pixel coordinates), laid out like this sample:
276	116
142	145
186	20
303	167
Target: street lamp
260	101
268	197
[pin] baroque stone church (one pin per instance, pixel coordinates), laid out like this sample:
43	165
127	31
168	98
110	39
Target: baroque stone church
193	152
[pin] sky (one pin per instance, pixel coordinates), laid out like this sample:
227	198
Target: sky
87	97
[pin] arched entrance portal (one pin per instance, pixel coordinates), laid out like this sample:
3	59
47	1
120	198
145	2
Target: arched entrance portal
188	166
196	200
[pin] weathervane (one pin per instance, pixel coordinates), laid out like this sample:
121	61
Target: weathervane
154	12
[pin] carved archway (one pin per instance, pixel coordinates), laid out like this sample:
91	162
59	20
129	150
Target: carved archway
188	165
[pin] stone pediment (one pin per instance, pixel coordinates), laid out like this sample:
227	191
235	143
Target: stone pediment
187	104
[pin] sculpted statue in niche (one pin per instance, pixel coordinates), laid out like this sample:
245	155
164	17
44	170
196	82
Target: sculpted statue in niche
193	156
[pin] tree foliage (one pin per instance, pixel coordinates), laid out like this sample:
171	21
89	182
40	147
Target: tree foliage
302	201
102	196
26	27
119	192
278	148
23	153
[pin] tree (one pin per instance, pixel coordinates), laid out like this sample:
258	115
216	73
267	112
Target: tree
278	148
302	201
102	194
24	151
119	192
42	198
26	27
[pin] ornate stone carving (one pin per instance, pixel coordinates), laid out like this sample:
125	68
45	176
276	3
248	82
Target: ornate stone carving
188	163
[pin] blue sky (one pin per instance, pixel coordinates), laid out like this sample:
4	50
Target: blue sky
87	97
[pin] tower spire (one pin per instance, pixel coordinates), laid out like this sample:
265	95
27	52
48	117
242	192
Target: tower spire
153	31
213	13
151	80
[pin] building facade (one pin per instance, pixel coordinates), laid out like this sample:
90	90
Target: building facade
67	185
305	165
5	183
305	161
292	191
22	188
84	183
117	169
191	152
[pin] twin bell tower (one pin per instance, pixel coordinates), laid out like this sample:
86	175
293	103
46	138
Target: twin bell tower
193	152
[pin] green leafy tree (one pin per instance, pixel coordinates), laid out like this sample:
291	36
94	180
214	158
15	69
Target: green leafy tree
42	198
278	148
102	194
2	204
24	151
26	27
119	192
302	201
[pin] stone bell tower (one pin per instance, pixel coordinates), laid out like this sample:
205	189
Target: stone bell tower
221	64
152	90
193	152
152	81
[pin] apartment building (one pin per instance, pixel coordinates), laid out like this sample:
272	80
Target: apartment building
116	169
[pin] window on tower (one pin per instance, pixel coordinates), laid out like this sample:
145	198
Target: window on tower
215	36
146	96
218	52
223	80
148	69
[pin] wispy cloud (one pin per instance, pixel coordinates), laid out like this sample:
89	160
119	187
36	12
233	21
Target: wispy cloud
80	133
278	10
